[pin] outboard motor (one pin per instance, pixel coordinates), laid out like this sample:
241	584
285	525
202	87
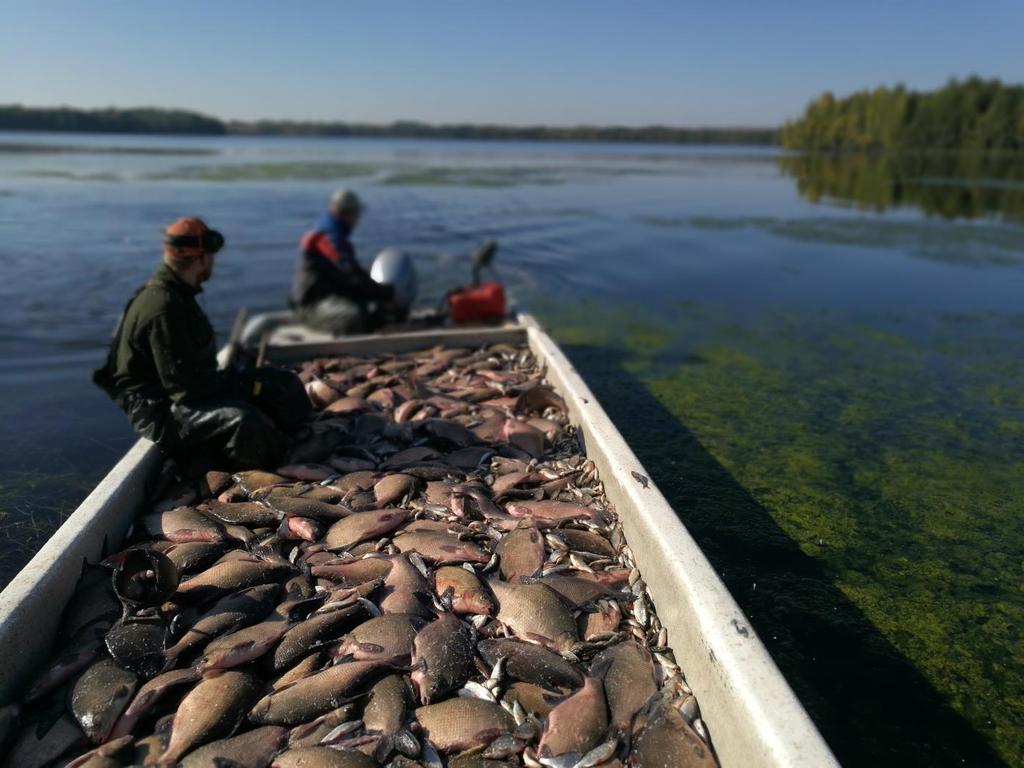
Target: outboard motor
392	267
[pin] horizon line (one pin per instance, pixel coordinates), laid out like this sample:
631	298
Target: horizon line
395	121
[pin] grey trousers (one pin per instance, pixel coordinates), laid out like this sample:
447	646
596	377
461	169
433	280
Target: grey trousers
336	315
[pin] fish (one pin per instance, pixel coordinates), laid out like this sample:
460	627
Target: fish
148	696
300	506
321	394
521	552
325	493
348	405
148	747
535	612
470	458
255	747
388	638
550	429
307	634
666	732
549	513
531	663
405	590
104	756
442	657
92	605
183	524
504	484
468	594
310	472
312	696
537	399
535	699
247	644
193	556
227	615
447	432
99	696
256	480
444	526
606	618
577	723
611	577
587	541
361	526
70	662
323	757
249	513
458	724
524	437
353	572
311	663
629	681
492	429
213	483
575	590
211	710
312	733
441	548
40	743
388	705
393	487
234	571
294	527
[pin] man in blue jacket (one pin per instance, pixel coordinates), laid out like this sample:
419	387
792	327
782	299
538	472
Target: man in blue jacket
331	290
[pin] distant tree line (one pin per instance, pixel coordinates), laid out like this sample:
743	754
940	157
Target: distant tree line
657	134
973	115
140	120
152	120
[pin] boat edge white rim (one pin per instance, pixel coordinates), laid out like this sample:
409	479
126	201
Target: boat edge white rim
727	665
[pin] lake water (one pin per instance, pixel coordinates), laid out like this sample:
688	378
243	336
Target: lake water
821	362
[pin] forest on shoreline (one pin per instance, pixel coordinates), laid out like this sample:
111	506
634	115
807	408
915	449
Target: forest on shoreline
973	115
151	120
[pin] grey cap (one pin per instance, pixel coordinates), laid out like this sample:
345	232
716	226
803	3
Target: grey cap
345	200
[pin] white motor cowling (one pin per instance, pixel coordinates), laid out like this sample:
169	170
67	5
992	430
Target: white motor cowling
393	267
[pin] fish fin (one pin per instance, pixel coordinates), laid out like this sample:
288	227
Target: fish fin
372	648
600	666
446	598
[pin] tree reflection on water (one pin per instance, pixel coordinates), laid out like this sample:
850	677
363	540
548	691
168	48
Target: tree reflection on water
950	185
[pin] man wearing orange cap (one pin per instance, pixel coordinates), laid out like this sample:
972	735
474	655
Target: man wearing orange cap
162	369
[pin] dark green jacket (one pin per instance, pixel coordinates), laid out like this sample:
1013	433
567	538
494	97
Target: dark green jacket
164	347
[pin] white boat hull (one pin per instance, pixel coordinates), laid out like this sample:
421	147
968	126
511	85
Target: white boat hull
753	716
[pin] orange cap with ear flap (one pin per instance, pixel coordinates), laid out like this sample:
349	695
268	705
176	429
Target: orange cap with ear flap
191	236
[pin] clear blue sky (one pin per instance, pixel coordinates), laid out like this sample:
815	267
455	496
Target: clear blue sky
579	61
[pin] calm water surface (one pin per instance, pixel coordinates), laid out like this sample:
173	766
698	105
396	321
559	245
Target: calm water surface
821	363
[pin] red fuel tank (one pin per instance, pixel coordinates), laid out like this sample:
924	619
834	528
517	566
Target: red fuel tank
478	303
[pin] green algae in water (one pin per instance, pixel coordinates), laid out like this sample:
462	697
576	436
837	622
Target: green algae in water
957	243
470	177
242	172
104	176
890	451
32	506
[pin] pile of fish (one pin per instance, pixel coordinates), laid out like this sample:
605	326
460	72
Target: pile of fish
435	579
